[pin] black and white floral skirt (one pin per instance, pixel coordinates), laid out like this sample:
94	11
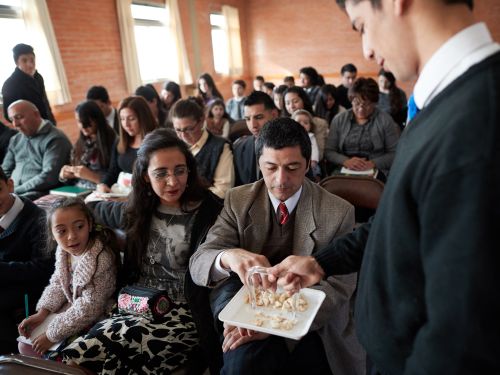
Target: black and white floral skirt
129	344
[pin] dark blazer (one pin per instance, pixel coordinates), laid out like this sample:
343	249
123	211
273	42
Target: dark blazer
245	164
5	134
25	266
22	86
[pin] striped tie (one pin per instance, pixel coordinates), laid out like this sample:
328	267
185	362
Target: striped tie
283	213
412	109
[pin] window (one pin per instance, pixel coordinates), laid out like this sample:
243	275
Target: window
13	32
226	42
156	51
28	21
220	43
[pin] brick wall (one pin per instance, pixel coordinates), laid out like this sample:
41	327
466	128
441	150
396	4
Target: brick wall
278	37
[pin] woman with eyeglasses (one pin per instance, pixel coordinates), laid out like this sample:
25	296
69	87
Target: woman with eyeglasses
363	137
91	153
167	216
136	121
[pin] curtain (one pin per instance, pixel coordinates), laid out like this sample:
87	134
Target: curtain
234	40
185	77
129	49
49	61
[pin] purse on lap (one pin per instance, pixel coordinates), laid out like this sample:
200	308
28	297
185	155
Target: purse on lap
142	301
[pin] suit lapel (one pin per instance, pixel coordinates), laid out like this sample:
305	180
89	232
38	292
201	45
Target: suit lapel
303	243
255	233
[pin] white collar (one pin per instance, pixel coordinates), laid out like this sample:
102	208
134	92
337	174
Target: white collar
7	219
111	117
290	203
465	49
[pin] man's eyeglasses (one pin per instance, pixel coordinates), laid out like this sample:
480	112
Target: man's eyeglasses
187	129
163	174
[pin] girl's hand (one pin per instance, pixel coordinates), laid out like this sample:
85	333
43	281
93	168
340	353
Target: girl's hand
81	171
66	173
41	344
31	322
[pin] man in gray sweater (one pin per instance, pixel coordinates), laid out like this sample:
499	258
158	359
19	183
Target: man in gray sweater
36	154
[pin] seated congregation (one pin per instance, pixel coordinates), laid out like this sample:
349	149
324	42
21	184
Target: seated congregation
203	208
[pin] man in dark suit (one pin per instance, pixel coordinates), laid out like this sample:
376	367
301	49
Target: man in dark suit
26	83
427	301
25	266
348	74
259	108
261	224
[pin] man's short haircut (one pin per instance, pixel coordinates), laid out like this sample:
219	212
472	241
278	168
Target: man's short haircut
269	85
283	132
260	78
3	176
241	83
187	108
365	88
351	68
377	4
98	93
22	49
289	79
259	97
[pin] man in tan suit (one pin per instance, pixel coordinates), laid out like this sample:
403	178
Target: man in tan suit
261	224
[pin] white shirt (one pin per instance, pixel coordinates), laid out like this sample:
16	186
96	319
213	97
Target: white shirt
7	219
111	118
217	272
468	47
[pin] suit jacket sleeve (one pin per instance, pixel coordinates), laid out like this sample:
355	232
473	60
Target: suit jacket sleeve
223	235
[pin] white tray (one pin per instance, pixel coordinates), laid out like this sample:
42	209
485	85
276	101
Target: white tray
240	314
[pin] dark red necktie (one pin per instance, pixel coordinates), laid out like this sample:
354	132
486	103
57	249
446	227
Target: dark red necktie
283	213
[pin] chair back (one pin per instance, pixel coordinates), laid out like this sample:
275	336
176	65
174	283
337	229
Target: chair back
237	130
362	192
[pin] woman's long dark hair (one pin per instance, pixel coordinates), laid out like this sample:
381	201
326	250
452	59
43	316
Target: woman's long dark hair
87	112
143	201
211	84
303	95
321	108
144	115
395	98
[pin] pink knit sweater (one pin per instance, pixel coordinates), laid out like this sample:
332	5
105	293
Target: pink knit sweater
94	281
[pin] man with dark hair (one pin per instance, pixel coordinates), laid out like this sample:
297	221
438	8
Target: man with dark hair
36	154
25	266
259	225
100	95
26	83
427	301
348	74
311	82
259	108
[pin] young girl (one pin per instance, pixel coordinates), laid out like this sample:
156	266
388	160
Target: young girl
207	89
305	119
217	121
80	290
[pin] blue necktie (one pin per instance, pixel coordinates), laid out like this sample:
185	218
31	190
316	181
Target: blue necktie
412	109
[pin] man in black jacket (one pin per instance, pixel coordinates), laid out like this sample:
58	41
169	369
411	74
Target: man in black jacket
427	298
25	265
26	83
